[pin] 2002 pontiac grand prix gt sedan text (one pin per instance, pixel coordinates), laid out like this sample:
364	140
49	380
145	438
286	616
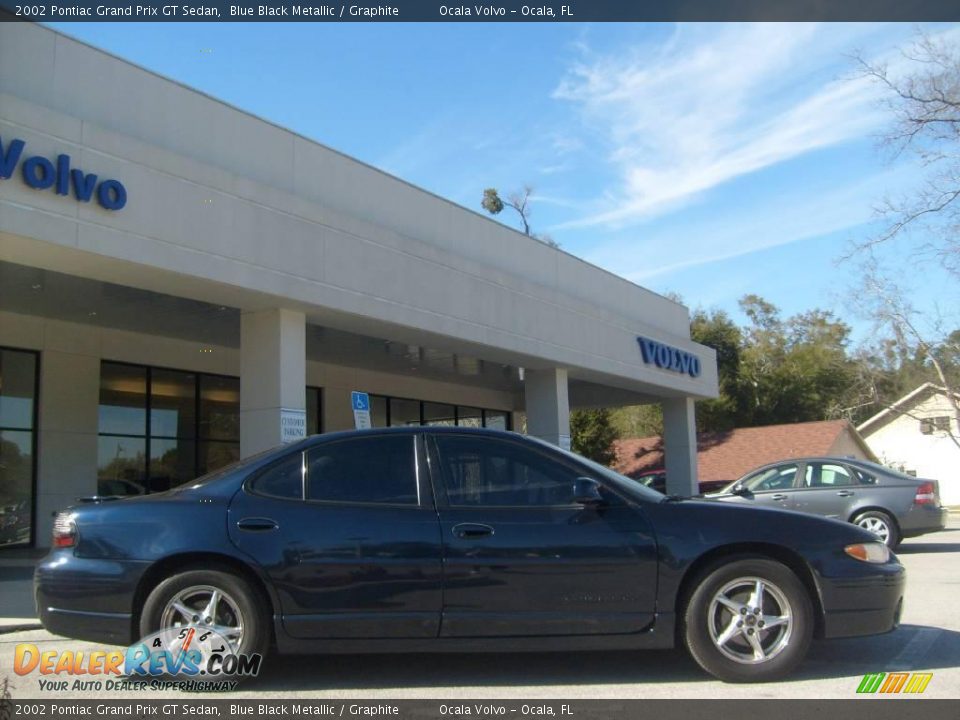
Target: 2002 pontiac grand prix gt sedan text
422	539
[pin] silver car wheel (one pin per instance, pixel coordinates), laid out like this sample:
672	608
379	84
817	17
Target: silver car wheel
877	526
206	607
750	620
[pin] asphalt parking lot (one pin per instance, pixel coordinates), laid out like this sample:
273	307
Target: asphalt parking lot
928	640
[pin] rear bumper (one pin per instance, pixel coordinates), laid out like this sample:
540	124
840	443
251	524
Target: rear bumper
108	628
923	519
85	598
870	604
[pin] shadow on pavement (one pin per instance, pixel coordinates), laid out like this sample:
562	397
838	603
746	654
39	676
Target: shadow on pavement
916	548
827	659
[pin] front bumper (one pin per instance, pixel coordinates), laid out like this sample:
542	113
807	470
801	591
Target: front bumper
869	603
85	598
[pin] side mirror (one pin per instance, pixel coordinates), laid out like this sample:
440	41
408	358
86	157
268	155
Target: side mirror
586	491
740	490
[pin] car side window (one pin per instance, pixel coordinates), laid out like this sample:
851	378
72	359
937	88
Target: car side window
826	475
865	478
779	477
375	469
283	479
482	472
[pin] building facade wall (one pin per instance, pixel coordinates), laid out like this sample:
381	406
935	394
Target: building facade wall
900	444
225	207
846	446
69	392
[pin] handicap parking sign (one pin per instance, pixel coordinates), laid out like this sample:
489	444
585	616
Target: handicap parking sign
361	410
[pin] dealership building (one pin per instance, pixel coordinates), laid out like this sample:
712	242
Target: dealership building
183	284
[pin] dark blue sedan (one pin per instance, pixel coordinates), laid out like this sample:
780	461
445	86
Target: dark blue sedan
448	539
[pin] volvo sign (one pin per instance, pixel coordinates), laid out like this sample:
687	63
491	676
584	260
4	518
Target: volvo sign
669	357
40	173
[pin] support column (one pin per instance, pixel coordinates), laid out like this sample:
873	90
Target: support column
273	377
67	433
680	446
547	405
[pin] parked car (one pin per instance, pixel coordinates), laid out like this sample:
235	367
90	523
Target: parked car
434	539
890	504
657	480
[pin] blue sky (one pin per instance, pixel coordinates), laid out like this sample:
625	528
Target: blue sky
706	160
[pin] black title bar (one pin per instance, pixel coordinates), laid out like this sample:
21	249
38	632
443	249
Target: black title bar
485	11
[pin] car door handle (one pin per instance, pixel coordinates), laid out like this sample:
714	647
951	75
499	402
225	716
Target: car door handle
845	493
257	524
471	530
778	496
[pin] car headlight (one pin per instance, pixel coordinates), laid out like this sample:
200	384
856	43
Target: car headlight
872	552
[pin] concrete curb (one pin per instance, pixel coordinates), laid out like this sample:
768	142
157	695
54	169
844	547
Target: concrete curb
25	625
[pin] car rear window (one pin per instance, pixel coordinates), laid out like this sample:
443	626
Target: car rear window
376	469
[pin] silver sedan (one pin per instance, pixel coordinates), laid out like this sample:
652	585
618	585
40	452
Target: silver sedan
890	504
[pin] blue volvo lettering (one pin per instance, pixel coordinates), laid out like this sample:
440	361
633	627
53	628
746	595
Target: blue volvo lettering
668	357
40	173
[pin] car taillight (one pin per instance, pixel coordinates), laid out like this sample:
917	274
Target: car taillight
64	530
926	494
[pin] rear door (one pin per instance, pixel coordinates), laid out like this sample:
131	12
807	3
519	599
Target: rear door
522	558
349	536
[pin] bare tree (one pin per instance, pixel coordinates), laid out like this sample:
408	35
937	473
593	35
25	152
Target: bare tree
924	103
518	201
894	317
921	91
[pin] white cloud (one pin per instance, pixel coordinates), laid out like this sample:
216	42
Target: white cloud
793	218
714	103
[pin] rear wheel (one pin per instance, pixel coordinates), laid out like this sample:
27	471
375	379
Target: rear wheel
750	620
881	525
209	600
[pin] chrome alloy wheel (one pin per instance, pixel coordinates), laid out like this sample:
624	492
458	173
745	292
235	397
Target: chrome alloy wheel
877	526
750	620
205	607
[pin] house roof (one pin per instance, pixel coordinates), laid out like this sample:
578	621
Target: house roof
729	455
896	409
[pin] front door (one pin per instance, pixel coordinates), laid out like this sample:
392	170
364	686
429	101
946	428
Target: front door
772	486
349	538
826	488
522	558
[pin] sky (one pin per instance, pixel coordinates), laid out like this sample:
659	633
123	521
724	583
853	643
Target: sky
706	160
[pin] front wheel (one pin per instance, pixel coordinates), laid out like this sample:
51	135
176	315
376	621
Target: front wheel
750	620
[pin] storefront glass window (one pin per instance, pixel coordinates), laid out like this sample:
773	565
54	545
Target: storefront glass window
404	412
314	411
160	428
496	420
378	411
399	412
123	399
438	414
469	417
18	383
219	408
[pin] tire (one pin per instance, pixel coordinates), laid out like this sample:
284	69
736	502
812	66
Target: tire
706	620
239	606
880	524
